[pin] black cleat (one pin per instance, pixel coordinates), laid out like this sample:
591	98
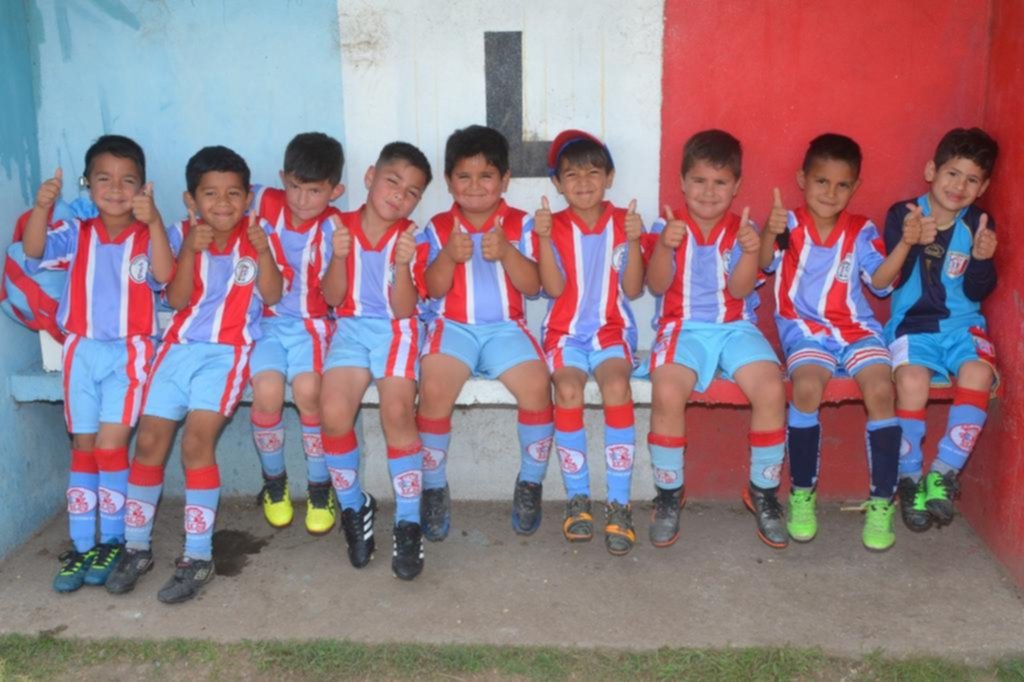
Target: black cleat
436	511
915	514
134	563
358	529
771	522
526	507
664	530
189	577
407	556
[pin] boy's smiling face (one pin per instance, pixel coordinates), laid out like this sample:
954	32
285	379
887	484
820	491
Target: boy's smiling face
394	189
956	184
113	183
477	185
709	191
307	200
583	186
220	200
828	185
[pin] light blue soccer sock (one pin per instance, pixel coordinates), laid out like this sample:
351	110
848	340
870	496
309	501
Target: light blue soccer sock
911	457
406	468
83	482
435	434
268	434
313	448
667	459
342	456
571	443
536	430
803	435
619	450
202	495
767	450
966	419
145	484
113	488
883	450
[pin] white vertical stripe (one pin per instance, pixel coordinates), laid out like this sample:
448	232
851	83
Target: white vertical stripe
355	277
830	277
203	267
389	249
470	296
721	277
577	254
90	283
499	271
797	276
687	278
124	286
607	266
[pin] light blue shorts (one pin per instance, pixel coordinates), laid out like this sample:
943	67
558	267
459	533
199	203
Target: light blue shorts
586	353
838	358
388	348
291	346
196	376
944	353
104	381
708	348
489	350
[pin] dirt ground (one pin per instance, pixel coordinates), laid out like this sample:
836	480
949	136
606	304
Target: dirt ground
939	593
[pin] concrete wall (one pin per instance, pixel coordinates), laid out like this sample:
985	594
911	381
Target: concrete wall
33	448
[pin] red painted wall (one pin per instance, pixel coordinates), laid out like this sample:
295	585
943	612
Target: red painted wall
894	76
992	498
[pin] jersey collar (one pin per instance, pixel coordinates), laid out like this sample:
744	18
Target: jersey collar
606	215
488	224
364	241
727	220
104	236
804	217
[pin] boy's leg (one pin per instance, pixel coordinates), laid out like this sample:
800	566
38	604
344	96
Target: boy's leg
320	507
912	385
883	440
571	446
83	492
613	377
340	397
671	387
269	436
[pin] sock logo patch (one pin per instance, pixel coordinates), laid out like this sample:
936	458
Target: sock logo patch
571	461
138	513
773	472
343	479
965	436
111	501
905	447
619	457
80	500
409	484
313	445
268	441
432	458
540	450
198	519
665	476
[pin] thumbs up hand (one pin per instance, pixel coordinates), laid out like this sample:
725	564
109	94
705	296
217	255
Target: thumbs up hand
200	235
257	237
778	219
542	219
747	236
341	240
494	245
634	225
460	245
985	241
143	207
49	191
675	230
405	247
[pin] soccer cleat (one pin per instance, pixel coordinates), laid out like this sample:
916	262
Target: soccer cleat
803	520
73	568
878	535
664	530
940	491
771	523
358	529
107	556
320	510
526	507
407	550
131	566
189	577
277	505
915	514
578	525
619	535
436	510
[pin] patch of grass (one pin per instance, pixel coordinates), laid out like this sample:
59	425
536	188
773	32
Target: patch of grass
44	657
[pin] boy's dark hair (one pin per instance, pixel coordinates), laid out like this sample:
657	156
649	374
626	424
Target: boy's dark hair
475	139
314	157
120	146
717	147
973	144
403	151
214	160
835	147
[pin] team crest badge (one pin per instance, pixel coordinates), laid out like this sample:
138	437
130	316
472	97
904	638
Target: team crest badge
408	484
268	441
245	271
111	501
965	436
198	519
80	500
619	457
956	264
843	273
313	445
571	461
665	477
619	258
432	458
138	269
137	513
540	450
343	479
773	472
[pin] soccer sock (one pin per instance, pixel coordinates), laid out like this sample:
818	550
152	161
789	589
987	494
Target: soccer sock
667	460
619	450
536	430
803	435
202	494
436	434
405	465
883	445
342	456
268	434
313	447
911	457
81	495
966	418
571	443
767	450
113	465
145	484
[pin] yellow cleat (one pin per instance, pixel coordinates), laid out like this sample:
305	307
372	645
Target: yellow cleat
320	509
277	506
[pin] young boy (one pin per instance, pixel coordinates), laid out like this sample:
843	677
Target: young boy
296	330
825	324
936	329
377	339
229	266
481	261
590	266
702	266
115	262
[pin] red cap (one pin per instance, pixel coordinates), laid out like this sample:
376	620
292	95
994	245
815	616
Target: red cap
563	140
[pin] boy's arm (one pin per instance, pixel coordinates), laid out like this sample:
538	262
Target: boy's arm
778	221
403	291
523	272
743	277
161	259
335	281
660	266
551	278
633	274
198	239
440	273
899	217
980	276
33	239
891	267
270	281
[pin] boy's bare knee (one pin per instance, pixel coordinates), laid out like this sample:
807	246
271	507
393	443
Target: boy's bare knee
616	391
568	394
